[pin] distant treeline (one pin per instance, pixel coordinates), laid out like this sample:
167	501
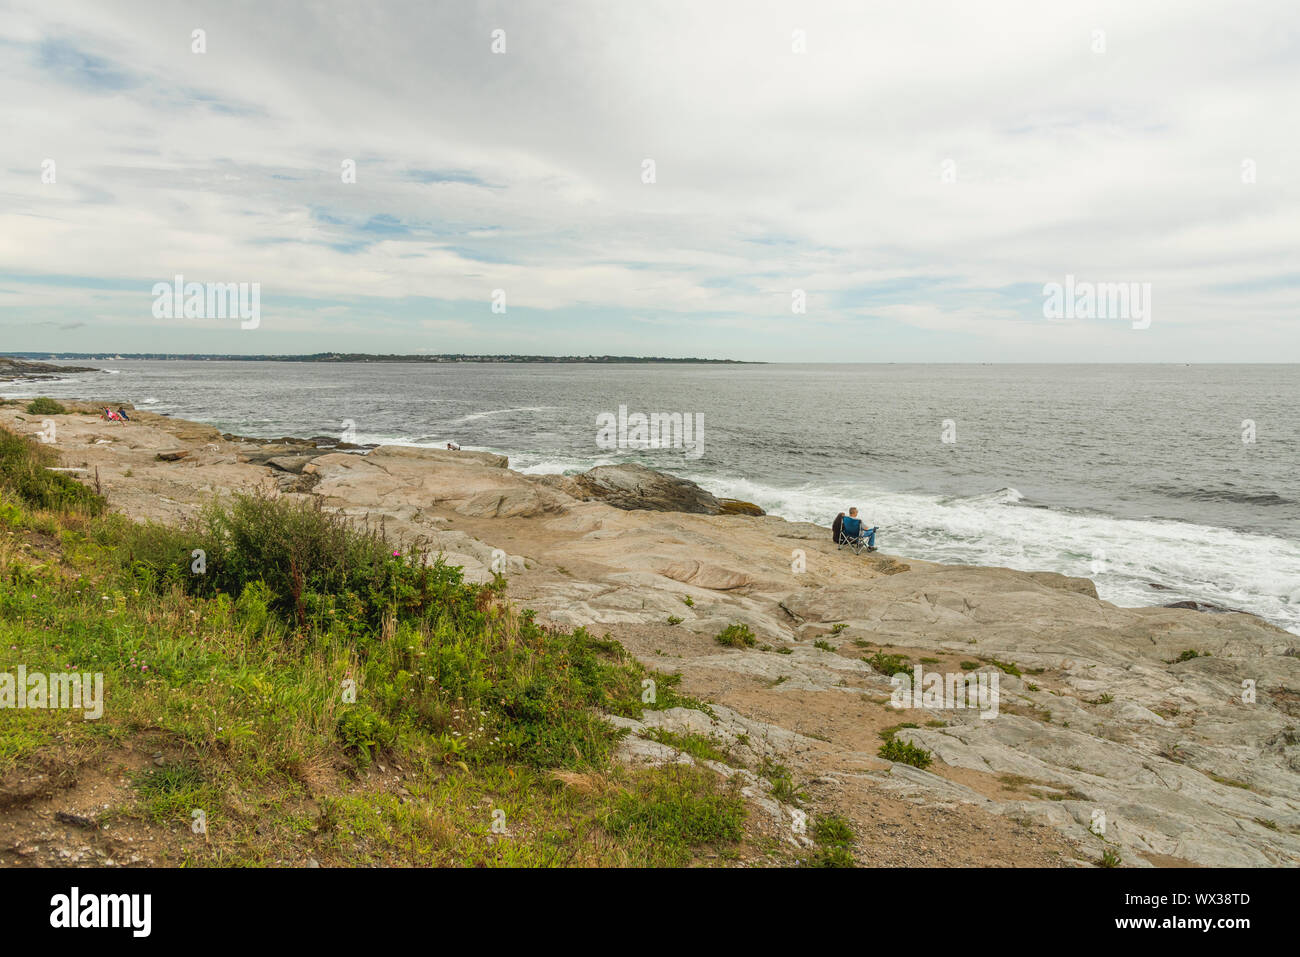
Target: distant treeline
354	357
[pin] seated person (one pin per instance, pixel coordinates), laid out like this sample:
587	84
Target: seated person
852	530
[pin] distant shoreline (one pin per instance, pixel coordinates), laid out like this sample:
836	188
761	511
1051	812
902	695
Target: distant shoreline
358	357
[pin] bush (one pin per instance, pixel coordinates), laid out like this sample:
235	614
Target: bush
363	733
319	569
736	636
26	477
888	664
830	856
833	830
834	837
438	656
904	753
44	406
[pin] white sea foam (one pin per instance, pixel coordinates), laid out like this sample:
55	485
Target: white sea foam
1254	573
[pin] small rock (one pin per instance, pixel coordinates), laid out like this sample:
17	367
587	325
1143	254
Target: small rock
76	820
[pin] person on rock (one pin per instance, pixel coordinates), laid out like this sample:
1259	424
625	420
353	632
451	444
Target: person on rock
852	530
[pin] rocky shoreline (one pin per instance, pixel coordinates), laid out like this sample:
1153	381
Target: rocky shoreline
1164	735
14	370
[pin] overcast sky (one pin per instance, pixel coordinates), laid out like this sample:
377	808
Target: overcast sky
920	172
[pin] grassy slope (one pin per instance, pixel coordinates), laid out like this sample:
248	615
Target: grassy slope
237	677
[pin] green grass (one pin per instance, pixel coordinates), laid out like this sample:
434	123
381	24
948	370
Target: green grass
1230	782
306	654
26	479
888	664
784	787
1006	666
901	751
736	636
834	839
696	745
682	809
45	406
170	794
823	645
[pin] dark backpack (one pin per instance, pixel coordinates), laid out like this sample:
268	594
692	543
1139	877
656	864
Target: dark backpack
836	526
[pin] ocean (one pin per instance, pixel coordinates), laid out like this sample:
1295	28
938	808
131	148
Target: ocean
1159	482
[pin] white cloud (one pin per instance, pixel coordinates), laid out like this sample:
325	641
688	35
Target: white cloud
1122	166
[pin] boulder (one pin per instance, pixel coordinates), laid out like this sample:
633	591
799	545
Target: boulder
633	486
290	463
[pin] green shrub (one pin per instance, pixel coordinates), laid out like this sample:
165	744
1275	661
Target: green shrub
44	406
834	837
1008	667
833	830
363	733
736	636
888	664
682	808
439	658
829	856
26	477
320	570
904	753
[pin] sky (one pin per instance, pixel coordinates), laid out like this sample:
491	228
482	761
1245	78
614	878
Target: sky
914	175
